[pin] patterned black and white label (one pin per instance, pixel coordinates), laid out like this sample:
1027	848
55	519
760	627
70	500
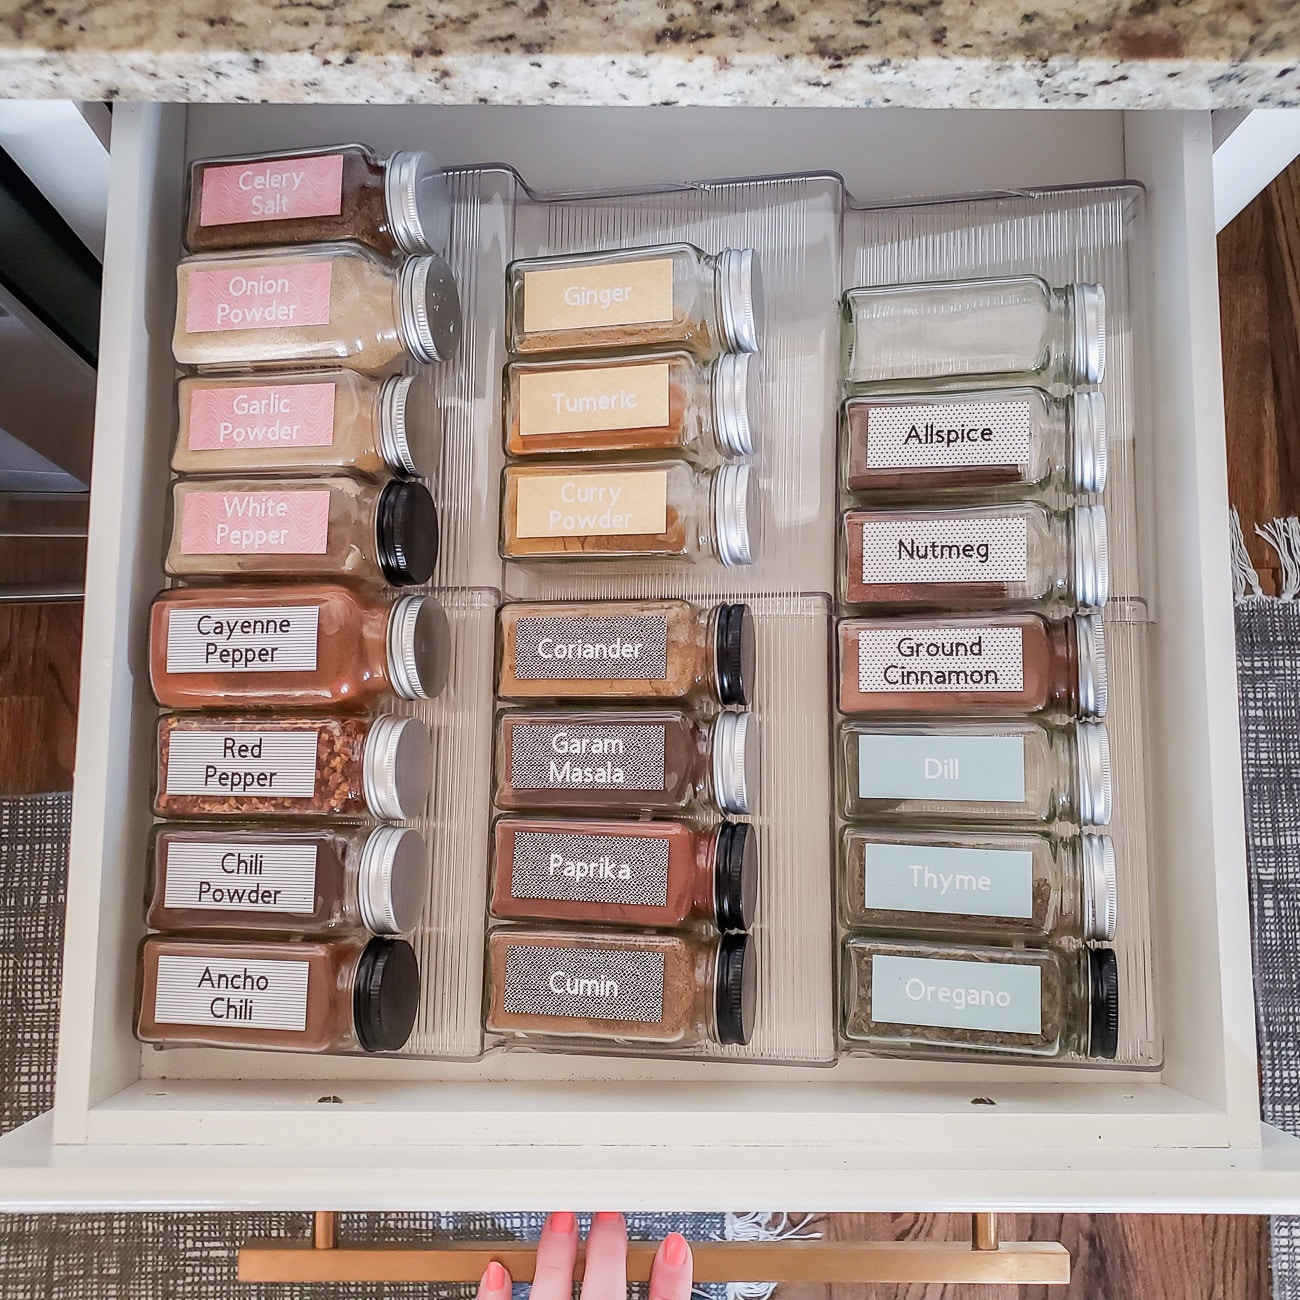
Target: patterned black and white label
941	657
591	648
563	756
278	763
590	868
912	435
271	640
585	983
225	991
973	549
241	877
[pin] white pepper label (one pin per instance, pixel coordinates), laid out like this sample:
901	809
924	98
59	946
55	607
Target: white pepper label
241	877
943	657
222	991
561	756
270	763
974	549
1001	997
590	868
951	881
584	983
914	435
278	639
591	648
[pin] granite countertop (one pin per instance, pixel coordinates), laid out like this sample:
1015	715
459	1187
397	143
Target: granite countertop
922	53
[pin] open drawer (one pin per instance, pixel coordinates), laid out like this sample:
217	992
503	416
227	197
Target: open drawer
535	1131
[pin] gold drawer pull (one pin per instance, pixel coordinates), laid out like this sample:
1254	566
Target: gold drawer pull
985	1260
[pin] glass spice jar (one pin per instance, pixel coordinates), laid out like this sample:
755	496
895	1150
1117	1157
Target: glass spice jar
624	761
1012	771
310	196
674	295
995	556
622	510
315	766
657	401
916	999
1004	885
323	304
646	874
1007	327
311	995
638	989
991	664
1003	437
314	882
627	650
272	645
307	422
334	527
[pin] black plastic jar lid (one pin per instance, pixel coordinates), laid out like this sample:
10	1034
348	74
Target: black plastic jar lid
735	989
1103	1019
734	653
386	994
735	875
406	533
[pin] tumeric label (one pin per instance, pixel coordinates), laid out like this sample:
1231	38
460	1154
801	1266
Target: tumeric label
586	401
598	295
596	504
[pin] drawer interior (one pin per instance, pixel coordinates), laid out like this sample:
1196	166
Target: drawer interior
112	1090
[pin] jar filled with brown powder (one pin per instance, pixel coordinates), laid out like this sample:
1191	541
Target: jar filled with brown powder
657	401
310	995
627	650
913	999
628	298
627	988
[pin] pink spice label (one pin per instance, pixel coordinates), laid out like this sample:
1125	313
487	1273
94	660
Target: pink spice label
255	523
261	415
272	191
270	296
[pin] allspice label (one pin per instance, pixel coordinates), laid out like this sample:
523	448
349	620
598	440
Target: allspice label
593	399
601	294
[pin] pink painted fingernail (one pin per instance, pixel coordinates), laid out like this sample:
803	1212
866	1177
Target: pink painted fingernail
562	1222
495	1277
675	1250
606	1217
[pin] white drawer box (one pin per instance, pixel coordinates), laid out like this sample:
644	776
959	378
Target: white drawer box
531	1131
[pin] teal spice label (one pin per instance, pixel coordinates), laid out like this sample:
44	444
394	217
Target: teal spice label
953	881
972	769
1002	997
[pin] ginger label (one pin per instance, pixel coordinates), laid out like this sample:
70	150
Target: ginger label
586	401
590	297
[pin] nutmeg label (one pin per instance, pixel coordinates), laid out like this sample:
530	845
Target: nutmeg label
255	523
584	983
592	296
942	657
590	868
242	639
975	549
225	991
951	881
241	877
564	756
999	996
596	504
589	400
280	764
258	297
915	435
971	769
272	191
261	415
591	648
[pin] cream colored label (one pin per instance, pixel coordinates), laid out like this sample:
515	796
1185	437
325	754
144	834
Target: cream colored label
592	296
586	401
592	505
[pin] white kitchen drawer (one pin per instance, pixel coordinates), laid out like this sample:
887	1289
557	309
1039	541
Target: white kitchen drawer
519	1131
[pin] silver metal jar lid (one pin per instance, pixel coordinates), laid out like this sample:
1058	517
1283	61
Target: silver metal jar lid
1089	333
734	514
392	880
1093	745
418	203
731	418
1100	887
1090	646
428	316
1091	557
735	760
1091	451
740	299
419	647
397	767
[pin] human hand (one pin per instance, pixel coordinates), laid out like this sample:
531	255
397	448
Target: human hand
605	1276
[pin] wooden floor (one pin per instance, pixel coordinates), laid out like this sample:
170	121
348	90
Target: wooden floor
1132	1257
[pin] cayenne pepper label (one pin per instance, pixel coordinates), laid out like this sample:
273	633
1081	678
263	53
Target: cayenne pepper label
272	191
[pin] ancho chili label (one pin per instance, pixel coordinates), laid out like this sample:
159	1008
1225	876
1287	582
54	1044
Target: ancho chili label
225	991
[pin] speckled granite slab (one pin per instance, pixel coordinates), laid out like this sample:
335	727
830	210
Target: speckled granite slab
923	53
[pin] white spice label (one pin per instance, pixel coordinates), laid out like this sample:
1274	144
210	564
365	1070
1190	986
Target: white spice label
591	648
279	639
225	991
560	756
279	764
942	657
590	868
584	983
999	997
241	877
915	435
974	549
